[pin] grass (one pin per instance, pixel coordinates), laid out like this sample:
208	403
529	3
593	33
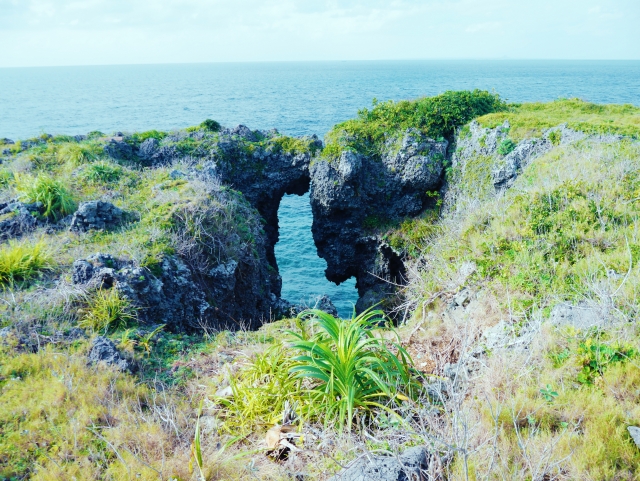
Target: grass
79	153
531	119
56	199
107	310
354	369
22	262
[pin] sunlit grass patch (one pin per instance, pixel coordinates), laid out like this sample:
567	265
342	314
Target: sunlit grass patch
21	262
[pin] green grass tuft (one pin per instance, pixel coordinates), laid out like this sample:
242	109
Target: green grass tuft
21	262
107	310
55	197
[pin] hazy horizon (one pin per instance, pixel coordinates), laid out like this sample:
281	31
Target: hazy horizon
41	33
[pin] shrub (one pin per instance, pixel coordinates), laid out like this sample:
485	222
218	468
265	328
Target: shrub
211	125
21	262
506	147
55	198
354	368
107	310
437	117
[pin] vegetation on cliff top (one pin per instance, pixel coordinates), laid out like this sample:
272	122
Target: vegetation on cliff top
437	117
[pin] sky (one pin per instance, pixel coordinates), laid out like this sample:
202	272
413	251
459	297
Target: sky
99	32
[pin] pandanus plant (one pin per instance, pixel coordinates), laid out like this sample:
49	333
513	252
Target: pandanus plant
352	364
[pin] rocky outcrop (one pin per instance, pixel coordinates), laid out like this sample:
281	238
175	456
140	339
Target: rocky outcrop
97	215
104	351
479	141
17	219
412	465
264	173
354	194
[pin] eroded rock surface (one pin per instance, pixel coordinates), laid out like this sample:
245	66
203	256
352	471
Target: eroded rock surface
104	351
97	215
354	194
412	465
17	219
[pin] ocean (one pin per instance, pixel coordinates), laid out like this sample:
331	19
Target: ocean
298	98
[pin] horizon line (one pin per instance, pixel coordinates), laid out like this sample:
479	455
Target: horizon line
238	62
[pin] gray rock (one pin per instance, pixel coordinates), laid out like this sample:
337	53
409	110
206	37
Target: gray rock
104	351
148	148
409	466
324	304
6	141
17	219
118	150
97	215
634	432
581	316
244	132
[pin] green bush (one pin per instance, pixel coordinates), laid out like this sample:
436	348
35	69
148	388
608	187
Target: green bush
107	310
353	368
506	147
437	117
21	262
55	198
211	125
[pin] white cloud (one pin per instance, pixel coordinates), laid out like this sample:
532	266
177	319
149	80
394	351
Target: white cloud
62	32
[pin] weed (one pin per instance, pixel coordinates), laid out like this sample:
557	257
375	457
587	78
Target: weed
506	147
78	154
103	172
54	196
20	262
107	310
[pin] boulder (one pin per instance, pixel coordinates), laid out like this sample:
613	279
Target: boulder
104	351
324	304
408	466
17	219
118	150
634	432
97	215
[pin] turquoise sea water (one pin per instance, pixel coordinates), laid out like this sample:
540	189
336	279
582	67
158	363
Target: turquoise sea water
296	98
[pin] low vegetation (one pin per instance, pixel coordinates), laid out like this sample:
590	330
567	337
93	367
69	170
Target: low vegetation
554	404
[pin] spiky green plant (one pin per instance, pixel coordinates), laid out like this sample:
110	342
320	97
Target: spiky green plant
353	365
56	199
107	310
23	261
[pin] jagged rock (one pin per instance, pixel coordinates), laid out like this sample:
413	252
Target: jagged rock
6	141
105	351
156	155
356	192
118	150
324	304
411	465
17	219
97	215
244	132
263	176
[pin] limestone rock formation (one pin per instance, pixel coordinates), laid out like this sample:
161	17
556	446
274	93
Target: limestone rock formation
356	193
17	218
